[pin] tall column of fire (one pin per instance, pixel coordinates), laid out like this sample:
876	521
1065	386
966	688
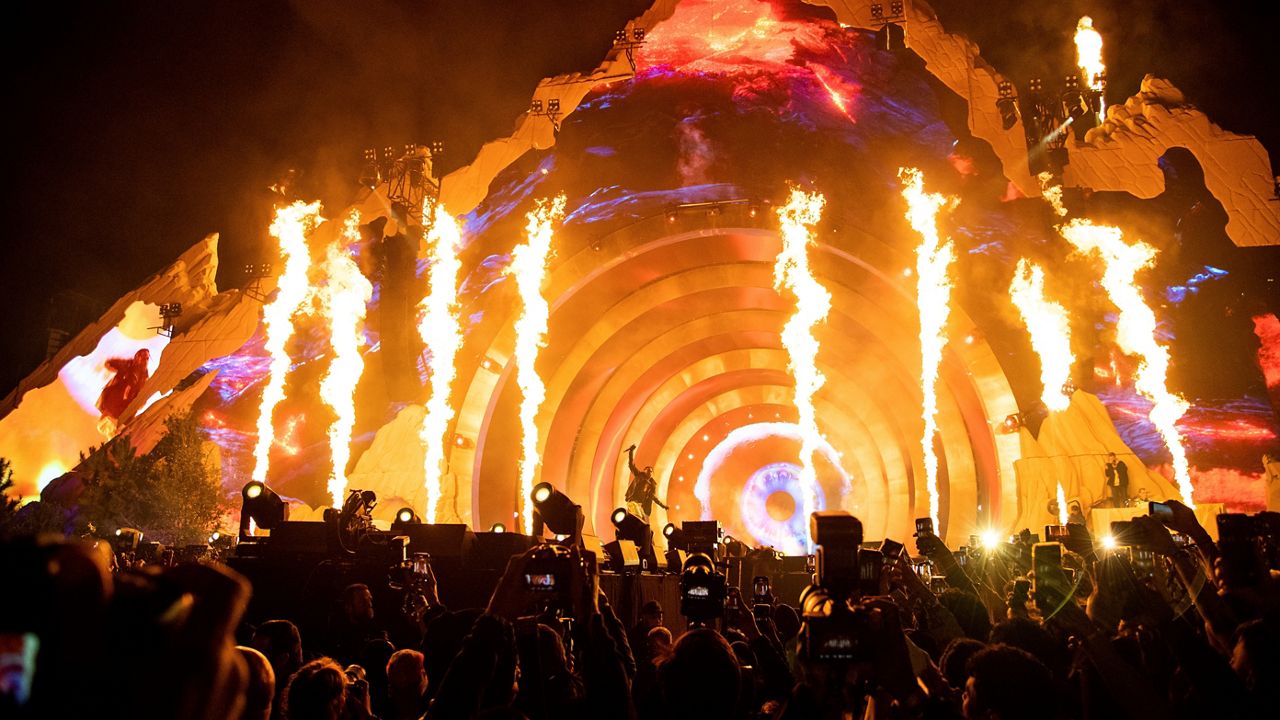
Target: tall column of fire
1050	329
791	272
1089	59
438	326
529	267
1136	331
344	300
933	297
290	228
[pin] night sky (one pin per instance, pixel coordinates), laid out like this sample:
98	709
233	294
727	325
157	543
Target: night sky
137	128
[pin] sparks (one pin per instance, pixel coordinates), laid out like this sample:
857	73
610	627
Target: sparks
837	99
1050	331
933	296
290	228
1136	331
791	272
1089	56
344	299
529	266
438	326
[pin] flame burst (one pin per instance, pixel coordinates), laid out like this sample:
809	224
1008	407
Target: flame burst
1050	331
1089	54
529	266
438	326
1135	331
933	296
344	300
290	228
813	302
1062	505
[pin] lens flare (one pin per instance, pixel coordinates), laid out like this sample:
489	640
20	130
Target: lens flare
1136	331
438	326
529	267
344	299
933	297
290	228
1050	329
791	273
1089	54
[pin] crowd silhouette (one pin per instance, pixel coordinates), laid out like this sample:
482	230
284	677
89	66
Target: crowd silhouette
1158	621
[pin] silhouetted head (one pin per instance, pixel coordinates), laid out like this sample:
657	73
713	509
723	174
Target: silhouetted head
261	688
316	692
701	678
357	603
1009	684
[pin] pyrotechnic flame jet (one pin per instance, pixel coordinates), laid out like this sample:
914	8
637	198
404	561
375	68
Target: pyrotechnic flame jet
438	326
1136	331
290	228
343	300
1050	329
933	297
1089	57
791	273
529	267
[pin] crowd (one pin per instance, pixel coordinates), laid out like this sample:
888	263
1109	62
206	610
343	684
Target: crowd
1165	622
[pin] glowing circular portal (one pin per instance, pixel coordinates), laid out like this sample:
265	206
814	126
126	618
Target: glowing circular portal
759	505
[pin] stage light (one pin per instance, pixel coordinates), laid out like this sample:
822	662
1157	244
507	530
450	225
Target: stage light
498	528
631	528
263	506
406	515
753	210
553	106
214	538
554	509
671	215
1011	423
1108	541
990	539
535	107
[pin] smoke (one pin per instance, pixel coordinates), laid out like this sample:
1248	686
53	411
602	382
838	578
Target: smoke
694	154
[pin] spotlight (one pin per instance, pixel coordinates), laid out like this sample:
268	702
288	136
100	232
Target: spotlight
1108	541
498	528
676	539
633	529
554	509
405	518
127	540
990	539
262	505
629	526
671	215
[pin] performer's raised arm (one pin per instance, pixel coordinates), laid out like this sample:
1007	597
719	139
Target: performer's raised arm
631	459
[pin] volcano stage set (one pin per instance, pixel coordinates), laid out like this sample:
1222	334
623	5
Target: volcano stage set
767	258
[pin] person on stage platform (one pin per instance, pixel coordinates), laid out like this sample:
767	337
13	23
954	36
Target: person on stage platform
643	490
1117	481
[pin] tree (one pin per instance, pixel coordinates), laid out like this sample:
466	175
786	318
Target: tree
33	518
172	494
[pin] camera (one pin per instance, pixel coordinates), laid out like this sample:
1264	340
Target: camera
702	590
547	575
834	630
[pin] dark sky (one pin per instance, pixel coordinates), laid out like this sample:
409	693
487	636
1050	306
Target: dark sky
138	127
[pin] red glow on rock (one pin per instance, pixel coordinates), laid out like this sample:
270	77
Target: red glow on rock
1267	328
747	40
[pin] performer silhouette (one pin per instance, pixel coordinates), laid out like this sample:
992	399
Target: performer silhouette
123	387
642	492
1117	481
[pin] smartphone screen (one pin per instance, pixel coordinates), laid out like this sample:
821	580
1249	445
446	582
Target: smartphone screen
1047	561
540	582
421	564
891	548
924	526
760	588
1159	510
